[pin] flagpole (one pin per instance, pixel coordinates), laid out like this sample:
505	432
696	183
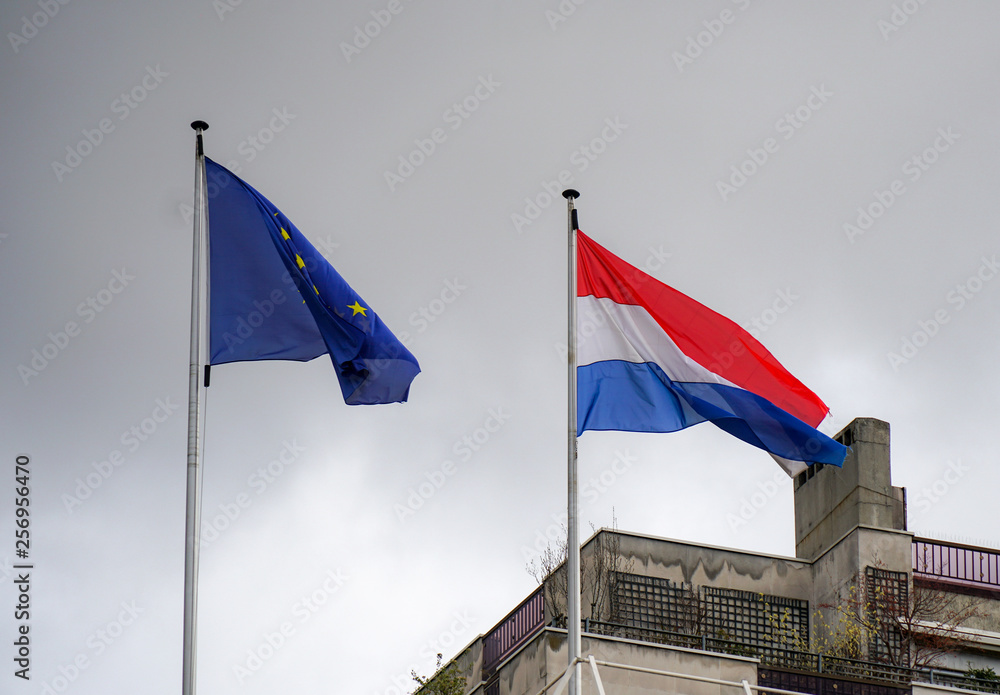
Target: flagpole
193	515
573	530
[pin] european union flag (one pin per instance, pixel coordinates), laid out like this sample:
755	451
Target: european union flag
272	296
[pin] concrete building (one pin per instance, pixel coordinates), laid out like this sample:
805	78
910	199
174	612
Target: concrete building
863	608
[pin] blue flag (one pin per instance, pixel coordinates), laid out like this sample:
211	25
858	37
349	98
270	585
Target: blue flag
272	296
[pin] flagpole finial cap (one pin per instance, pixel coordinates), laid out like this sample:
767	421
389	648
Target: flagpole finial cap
199	125
570	193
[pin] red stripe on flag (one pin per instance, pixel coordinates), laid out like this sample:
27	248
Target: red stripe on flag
707	337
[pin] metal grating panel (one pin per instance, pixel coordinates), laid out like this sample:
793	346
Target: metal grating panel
888	596
750	618
755	619
654	603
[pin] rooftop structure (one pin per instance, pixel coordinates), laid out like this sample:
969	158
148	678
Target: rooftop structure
864	607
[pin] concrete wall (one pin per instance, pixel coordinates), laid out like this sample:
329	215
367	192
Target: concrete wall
961	661
699	565
989	618
837	568
832	501
544	659
530	669
470	663
846	519
720	667
928	689
824	581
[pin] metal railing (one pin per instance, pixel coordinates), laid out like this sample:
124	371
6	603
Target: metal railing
826	684
520	624
810	662
952	562
936	560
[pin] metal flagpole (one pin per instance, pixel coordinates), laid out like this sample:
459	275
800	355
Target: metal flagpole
572	531
192	535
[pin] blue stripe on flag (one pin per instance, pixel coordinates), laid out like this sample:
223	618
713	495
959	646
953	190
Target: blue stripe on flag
640	397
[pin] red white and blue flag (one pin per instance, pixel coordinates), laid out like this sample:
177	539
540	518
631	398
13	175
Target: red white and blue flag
651	359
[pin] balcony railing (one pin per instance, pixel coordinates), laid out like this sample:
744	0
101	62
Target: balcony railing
520	624
956	564
793	660
825	684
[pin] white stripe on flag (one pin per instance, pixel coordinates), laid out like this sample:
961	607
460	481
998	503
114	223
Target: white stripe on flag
611	331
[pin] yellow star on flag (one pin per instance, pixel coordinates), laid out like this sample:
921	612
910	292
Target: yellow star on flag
357	309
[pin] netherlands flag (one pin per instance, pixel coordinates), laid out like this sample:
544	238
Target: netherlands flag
651	359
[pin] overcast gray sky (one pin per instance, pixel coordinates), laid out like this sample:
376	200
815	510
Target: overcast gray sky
823	173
